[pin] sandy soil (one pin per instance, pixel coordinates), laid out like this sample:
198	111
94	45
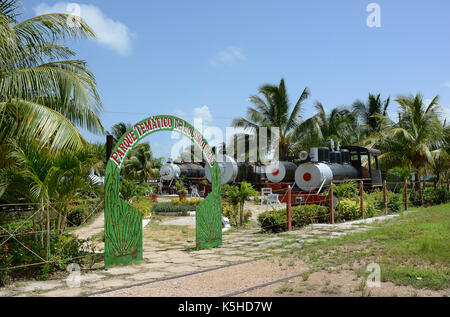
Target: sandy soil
240	278
214	283
342	284
91	229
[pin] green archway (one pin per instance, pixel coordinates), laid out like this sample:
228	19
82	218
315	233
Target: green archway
123	222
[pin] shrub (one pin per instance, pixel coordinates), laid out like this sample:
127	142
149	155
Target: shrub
350	209
128	189
144	206
232	213
171	208
347	189
64	249
431	196
81	210
192	202
276	220
394	201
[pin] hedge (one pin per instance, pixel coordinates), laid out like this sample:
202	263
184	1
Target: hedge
171	208
276	220
431	196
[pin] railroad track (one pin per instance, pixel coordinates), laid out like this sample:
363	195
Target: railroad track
229	294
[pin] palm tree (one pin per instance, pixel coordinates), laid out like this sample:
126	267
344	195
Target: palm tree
52	181
369	111
118	130
237	195
44	94
411	141
273	109
140	163
339	125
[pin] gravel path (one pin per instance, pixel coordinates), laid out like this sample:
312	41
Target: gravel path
213	283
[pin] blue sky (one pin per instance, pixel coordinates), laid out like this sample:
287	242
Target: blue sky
204	58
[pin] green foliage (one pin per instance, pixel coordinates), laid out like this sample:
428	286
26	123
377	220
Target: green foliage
143	205
30	248
347	189
276	220
172	208
394	201
411	141
190	202
45	94
181	189
237	195
232	213
273	109
398	173
431	196
350	209
128	189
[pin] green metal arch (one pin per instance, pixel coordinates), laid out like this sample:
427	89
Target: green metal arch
123	222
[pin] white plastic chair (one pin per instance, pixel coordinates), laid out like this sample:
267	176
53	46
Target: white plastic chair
194	193
272	199
264	192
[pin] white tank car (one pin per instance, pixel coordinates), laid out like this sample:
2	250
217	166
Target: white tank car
277	172
169	171
229	169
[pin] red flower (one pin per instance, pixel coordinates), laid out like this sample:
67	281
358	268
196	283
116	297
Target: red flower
28	247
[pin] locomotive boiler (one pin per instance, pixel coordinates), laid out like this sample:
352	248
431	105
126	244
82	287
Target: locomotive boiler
175	170
281	172
232	171
337	165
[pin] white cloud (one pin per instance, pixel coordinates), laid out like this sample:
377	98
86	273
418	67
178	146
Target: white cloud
229	56
446	84
202	113
112	34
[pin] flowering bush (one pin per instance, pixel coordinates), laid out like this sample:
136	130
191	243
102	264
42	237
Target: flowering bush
30	248
431	196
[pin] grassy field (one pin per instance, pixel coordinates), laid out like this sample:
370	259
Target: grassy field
413	249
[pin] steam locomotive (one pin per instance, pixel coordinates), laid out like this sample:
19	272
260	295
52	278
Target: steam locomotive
313	172
193	174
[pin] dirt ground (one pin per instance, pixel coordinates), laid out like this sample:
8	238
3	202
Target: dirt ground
235	280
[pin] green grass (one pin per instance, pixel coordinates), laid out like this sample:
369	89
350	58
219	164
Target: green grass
412	249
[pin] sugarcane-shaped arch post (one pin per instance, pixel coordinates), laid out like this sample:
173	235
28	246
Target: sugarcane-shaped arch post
123	222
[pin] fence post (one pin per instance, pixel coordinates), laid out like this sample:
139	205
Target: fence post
48	232
361	197
405	194
331	203
289	211
421	194
385	198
